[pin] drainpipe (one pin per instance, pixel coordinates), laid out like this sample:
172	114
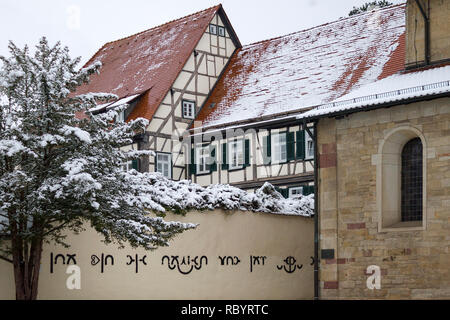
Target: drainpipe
316	208
426	20
316	214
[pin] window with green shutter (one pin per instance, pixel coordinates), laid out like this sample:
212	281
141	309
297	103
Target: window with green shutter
213	159
135	164
224	157
300	144
279	148
307	190
267	149
202	160
247	153
236	156
290	146
284	192
295	192
192	166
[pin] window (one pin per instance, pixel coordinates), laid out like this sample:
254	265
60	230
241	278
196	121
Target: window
212	29
188	109
401	180
309	145
279	148
295	192
121	116
221	31
129	165
412	181
236	160
164	164
202	160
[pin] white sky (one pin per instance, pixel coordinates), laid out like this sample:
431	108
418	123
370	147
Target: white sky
100	21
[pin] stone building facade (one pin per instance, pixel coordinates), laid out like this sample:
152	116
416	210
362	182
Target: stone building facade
414	260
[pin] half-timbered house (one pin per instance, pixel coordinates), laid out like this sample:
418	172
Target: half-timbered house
165	74
251	110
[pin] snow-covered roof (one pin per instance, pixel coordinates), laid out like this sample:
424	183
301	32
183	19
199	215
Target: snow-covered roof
398	87
308	68
118	103
148	60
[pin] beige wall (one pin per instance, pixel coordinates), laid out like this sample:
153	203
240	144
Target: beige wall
414	261
240	234
439	31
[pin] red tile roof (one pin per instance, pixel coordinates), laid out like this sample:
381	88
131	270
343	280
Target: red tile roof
308	68
148	61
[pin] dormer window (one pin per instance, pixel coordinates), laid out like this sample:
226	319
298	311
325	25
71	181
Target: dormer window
188	109
212	29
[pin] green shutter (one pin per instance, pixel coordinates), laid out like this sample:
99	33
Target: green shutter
290	146
247	153
213	163
224	157
284	192
135	164
192	167
300	144
267	149
307	190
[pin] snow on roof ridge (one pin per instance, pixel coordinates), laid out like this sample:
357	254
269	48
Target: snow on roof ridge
324	25
419	88
218	6
166	23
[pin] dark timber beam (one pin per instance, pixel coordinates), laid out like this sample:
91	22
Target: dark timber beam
426	19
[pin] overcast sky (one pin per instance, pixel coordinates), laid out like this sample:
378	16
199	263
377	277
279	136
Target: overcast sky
85	25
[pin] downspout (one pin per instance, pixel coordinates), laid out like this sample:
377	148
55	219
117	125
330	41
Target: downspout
316	214
426	19
316	207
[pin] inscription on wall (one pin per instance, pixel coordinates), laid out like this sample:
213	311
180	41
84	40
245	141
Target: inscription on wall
185	265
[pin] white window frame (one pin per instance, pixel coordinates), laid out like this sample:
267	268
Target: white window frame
188	109
236	154
202	155
213	29
309	145
167	162
120	116
127	166
221	31
277	147
295	189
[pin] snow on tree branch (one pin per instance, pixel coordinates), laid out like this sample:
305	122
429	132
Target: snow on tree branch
58	172
181	196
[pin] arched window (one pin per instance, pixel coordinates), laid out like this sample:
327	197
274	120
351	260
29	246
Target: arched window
412	181
402	180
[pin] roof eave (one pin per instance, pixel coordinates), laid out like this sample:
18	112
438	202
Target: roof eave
343	113
224	17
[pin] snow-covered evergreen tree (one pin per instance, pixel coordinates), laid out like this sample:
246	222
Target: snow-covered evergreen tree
59	171
370	6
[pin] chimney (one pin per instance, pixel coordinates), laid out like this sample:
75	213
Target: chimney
427	32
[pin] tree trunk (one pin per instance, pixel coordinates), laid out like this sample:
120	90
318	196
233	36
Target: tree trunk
26	264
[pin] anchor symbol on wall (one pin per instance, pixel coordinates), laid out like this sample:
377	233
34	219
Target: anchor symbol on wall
290	265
